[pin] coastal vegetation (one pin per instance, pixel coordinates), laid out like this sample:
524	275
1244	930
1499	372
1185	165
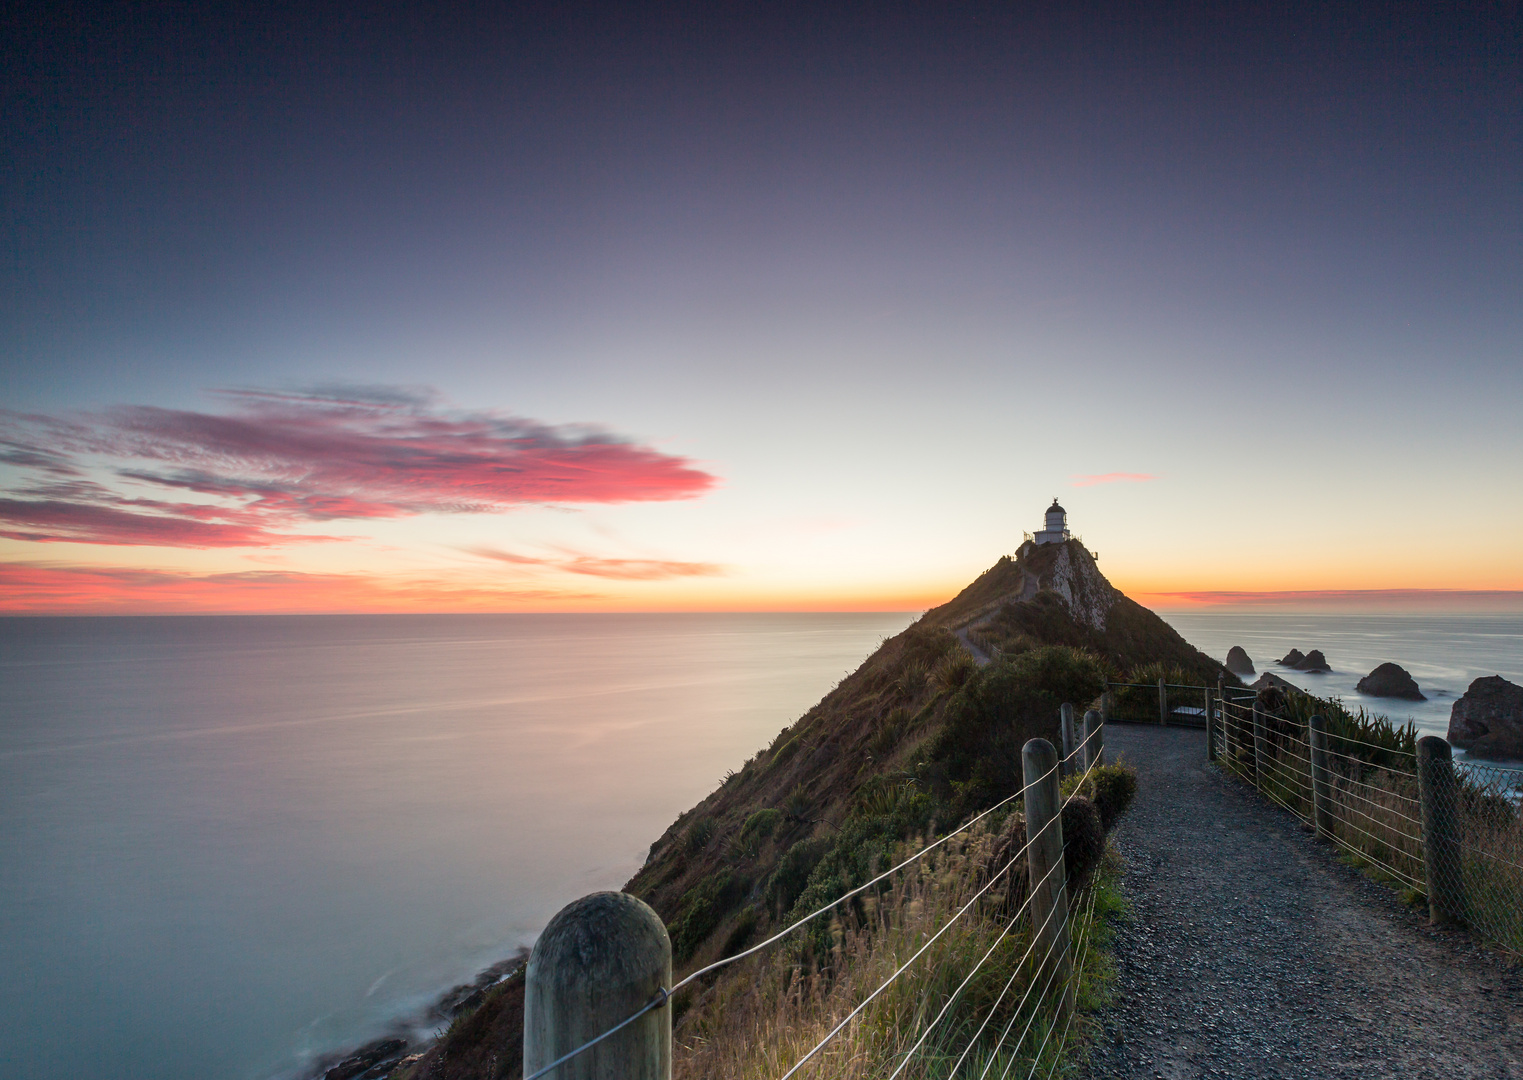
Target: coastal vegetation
910	746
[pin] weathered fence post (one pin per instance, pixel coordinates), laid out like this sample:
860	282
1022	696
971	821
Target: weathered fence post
1321	784
1044	862
1094	739
1066	724
1441	842
1258	745
601	960
1163	703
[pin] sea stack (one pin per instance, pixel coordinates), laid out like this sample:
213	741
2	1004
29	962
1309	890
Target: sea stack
1391	680
1291	659
1313	662
1238	661
1487	720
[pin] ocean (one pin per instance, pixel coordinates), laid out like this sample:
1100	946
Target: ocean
1443	652
230	846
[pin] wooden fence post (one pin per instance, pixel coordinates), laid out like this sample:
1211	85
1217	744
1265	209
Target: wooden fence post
1258	745
1441	842
1321	783
1163	703
601	960
1044	862
1066	726
1094	740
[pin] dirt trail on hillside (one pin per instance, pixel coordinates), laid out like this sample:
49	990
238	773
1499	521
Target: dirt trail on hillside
1250	951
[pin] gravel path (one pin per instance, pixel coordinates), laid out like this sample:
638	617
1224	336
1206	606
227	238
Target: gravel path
1250	951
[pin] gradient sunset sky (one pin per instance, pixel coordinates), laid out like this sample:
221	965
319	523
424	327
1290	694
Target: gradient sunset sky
649	307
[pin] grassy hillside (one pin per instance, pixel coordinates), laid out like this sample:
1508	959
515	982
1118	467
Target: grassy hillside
909	745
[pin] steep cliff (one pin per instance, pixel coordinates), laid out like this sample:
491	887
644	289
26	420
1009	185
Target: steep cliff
923	734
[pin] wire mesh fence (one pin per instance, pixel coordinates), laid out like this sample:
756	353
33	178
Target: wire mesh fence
1400	808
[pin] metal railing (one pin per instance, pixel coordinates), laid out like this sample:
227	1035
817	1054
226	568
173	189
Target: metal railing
1433	827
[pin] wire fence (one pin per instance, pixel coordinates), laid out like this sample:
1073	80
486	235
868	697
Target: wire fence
1040	1016
1449	831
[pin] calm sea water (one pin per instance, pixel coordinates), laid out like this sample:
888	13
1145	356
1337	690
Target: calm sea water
1443	652
230	844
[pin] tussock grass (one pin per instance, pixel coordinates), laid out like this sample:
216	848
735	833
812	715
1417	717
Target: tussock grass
754	1022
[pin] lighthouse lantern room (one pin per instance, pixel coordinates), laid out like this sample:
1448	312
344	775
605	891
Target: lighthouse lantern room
1057	526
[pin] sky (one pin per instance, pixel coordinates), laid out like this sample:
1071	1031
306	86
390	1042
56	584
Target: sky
412	307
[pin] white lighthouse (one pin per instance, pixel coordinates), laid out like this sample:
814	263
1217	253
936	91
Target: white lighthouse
1057	526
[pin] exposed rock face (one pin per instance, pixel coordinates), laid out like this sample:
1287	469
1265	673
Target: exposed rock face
1313	662
1391	680
1488	720
1269	679
1291	659
1238	661
1083	588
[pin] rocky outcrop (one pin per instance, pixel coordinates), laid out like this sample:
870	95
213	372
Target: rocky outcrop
1391	680
1291	659
1238	661
1270	679
1487	720
1314	662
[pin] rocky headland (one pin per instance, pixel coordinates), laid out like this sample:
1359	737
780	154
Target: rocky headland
926	724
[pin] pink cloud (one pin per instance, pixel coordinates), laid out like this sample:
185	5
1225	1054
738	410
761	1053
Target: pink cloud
620	569
1090	480
276	460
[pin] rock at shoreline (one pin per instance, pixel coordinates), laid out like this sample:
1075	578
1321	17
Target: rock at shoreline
1391	680
1314	662
1291	659
385	1052
1238	661
1488	719
1270	679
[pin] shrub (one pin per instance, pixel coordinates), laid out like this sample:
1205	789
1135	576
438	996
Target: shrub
761	824
703	907
792	873
1071	675
1083	841
1110	788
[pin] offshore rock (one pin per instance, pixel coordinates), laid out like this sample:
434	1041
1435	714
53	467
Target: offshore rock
1314	662
1238	661
1270	679
1487	720
1391	680
1291	659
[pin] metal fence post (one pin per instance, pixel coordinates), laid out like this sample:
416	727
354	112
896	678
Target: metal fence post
1441	842
1321	784
601	959
1221	704
1258	745
1066	725
1163	703
1210	729
1044	862
1094	740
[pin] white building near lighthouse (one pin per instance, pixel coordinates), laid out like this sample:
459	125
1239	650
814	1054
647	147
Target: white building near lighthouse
1057	526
